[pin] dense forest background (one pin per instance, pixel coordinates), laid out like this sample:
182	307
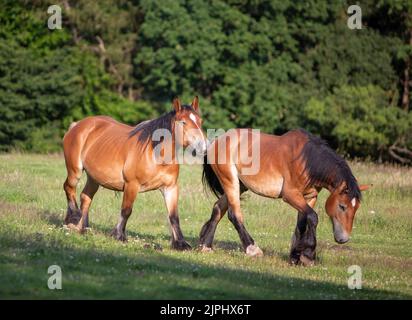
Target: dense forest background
273	65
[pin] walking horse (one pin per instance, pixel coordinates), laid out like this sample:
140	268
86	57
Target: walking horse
294	167
122	158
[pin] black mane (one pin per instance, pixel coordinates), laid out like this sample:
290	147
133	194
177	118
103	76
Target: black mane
144	130
325	166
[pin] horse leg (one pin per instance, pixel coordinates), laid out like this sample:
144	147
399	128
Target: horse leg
86	198
73	214
208	230
74	167
171	195
303	248
235	216
298	246
129	195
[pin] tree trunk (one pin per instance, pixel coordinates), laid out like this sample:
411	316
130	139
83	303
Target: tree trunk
75	34
406	80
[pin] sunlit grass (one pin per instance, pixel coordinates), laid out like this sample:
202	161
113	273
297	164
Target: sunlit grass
33	205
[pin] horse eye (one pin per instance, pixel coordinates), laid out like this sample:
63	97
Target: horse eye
342	207
182	122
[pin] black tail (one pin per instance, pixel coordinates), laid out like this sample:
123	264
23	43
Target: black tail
210	179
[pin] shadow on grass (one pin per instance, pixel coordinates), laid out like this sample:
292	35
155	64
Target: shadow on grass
230	246
121	273
51	218
57	221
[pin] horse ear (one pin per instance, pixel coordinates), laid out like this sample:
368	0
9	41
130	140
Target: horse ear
195	103
176	104
364	187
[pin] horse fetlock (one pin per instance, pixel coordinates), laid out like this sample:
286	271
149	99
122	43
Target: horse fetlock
297	258
294	258
303	252
207	234
72	217
204	231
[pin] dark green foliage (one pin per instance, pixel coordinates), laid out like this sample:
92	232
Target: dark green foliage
46	83
357	120
34	90
273	65
38	83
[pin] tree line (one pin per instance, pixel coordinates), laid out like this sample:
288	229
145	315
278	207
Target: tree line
272	65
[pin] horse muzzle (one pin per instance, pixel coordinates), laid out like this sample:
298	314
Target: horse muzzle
201	147
340	235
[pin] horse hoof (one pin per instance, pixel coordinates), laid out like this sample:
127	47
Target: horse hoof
72	218
181	245
254	251
203	248
293	261
306	262
75	227
118	236
70	226
121	238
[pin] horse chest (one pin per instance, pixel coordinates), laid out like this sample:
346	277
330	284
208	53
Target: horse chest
155	179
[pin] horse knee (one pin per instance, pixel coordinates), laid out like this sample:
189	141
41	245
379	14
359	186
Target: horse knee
70	184
66	186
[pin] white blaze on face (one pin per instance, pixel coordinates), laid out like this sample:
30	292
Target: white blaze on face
353	202
193	118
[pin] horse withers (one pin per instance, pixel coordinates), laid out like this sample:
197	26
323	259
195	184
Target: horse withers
123	158
294	167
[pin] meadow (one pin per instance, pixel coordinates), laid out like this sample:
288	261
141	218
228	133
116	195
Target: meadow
32	237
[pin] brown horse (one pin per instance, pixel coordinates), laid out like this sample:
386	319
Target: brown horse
122	158
294	167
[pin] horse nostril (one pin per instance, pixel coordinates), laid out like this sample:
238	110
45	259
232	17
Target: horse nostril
201	147
342	240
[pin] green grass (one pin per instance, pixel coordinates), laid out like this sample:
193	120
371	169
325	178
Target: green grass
33	205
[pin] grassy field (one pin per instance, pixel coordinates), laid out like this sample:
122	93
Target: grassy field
33	205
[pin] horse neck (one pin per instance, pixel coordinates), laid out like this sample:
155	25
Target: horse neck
330	184
170	145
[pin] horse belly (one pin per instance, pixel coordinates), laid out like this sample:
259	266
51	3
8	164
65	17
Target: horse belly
112	182
267	186
108	174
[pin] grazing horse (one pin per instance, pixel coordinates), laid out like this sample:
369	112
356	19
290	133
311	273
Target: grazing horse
122	158
294	167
